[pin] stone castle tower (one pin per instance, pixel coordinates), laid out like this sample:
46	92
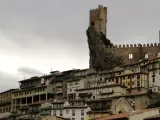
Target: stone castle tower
131	53
99	17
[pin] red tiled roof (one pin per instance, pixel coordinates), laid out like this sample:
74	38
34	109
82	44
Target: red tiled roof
111	117
153	117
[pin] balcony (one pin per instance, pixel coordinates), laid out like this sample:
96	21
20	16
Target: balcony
23	107
59	90
45	112
106	92
32	111
5	102
22	86
86	94
59	84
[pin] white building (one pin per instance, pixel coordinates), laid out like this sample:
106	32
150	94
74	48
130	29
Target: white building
154	74
64	109
73	85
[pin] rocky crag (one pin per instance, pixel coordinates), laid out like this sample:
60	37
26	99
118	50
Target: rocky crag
100	59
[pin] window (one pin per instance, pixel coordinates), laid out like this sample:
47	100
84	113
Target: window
130	56
93	97
73	118
82	112
133	98
73	112
54	112
116	80
153	79
82	118
129	90
146	55
76	83
70	90
138	83
61	113
67	111
138	76
108	106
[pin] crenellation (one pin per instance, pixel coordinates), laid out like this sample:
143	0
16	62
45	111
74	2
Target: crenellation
125	49
93	10
139	45
131	45
100	6
144	45
155	44
105	8
135	45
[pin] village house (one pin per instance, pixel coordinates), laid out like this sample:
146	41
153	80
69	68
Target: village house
64	109
6	101
154	74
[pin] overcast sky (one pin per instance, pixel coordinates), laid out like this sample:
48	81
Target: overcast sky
39	35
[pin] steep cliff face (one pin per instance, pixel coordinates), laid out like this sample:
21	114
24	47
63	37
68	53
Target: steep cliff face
99	58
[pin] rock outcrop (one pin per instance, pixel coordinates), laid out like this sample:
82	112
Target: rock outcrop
100	59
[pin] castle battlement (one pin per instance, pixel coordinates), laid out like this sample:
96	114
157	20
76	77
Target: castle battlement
135	45
97	9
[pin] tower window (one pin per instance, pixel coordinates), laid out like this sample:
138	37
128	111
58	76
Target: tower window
146	55
131	56
92	23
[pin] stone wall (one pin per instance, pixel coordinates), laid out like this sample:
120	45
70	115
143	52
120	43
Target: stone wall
137	50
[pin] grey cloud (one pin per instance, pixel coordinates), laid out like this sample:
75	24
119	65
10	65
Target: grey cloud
29	72
50	34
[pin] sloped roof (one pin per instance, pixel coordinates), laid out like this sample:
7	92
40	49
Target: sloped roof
112	117
152	117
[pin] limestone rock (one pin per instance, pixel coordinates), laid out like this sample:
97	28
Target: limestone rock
99	58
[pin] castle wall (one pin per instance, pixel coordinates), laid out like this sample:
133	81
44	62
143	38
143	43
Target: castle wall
138	51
